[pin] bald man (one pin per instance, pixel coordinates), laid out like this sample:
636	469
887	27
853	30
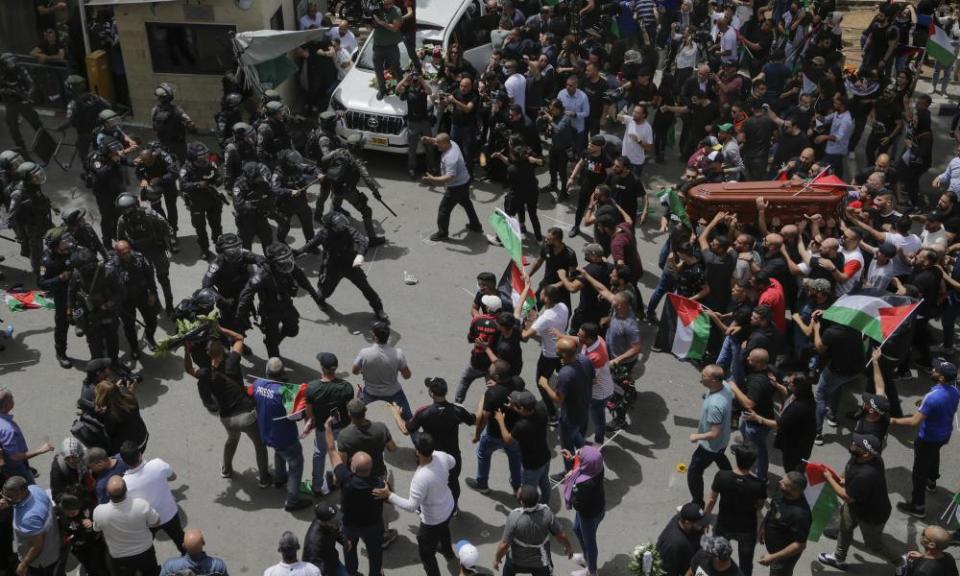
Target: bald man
931	560
194	559
713	430
456	179
126	523
572	395
140	293
756	396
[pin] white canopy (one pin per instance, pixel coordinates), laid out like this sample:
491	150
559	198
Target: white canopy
258	46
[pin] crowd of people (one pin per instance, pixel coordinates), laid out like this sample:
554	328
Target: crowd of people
591	92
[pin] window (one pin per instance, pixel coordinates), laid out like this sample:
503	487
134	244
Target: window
191	48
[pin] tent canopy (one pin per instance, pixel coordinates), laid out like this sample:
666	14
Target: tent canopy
259	46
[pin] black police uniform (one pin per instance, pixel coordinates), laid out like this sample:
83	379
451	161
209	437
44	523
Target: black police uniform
171	124
30	218
279	318
161	177
139	282
272	138
82	112
238	152
52	266
149	234
93	298
289	180
321	141
341	244
16	88
199	183
344	171
229	277
224	120
253	200
105	176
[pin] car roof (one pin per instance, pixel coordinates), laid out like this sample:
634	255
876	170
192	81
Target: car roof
438	12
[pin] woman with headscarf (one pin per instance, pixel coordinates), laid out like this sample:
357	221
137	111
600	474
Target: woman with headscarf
69	475
583	491
713	558
118	409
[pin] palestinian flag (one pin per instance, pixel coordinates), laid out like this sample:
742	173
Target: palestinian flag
294	395
820	496
670	199
511	284
874	313
684	328
939	45
20	301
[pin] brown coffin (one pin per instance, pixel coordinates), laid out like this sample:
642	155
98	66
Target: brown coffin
786	201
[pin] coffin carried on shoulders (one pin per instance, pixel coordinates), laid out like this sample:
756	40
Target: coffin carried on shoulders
786	201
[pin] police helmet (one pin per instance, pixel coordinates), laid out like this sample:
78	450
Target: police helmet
281	258
74	217
198	152
8	61
271	96
151	194
126	203
273	107
82	257
232	100
230	247
164	92
242	130
32	172
204	300
292	161
251	170
109	118
9	160
75	83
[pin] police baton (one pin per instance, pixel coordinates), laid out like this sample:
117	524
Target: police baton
379	198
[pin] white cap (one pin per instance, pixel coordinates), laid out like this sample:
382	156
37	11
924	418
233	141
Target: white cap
491	302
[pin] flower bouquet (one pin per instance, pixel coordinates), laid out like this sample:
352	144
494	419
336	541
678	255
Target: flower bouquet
645	561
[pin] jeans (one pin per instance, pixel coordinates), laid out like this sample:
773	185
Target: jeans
430	540
145	563
598	414
487	446
757	435
827	394
398	398
586	530
701	459
571	438
320	458
456	196
466	379
746	544
386	57
372	537
511	569
539	477
288	465
665	285
728	354
939	69
246	423
466	138
926	468
872	535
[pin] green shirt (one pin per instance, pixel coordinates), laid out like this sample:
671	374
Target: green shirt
384	37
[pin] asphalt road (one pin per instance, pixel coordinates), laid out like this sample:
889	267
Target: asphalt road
242	523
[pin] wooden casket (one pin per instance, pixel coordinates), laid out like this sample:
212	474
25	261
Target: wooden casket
786	201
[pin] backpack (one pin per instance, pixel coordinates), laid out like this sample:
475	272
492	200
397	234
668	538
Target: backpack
90	431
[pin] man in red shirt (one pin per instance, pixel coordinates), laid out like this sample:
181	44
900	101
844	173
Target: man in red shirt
482	336
623	249
771	295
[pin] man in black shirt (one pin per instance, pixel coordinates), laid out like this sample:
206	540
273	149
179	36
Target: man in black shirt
626	189
529	432
865	501
591	307
741	497
441	420
592	169
415	91
594	86
841	349
786	525
758	138
790	144
680	540
507	345
465	103
757	396
556	256
500	384
928	278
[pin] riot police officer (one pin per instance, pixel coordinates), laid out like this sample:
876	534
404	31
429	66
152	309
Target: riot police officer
170	122
275	285
228	273
202	302
137	276
231	112
291	180
108	126
55	272
272	134
9	162
344	170
343	250
199	178
75	227
242	148
93	299
30	213
105	176
253	200
16	91
148	233
158	170
321	141
82	113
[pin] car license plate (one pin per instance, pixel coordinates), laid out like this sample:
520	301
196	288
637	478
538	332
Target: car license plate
379	141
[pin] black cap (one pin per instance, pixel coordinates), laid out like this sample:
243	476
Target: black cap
868	442
888	250
877	403
437	386
948	369
935	215
328	360
523	398
691	512
324	513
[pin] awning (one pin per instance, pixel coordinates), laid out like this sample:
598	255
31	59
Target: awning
257	46
116	2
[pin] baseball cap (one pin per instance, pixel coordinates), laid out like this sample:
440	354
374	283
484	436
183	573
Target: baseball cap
868	442
935	215
725	127
491	302
288	541
691	512
356	408
888	250
878	403
436	386
523	398
324	513
948	369
328	360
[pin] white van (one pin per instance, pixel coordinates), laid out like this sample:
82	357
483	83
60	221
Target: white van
383	122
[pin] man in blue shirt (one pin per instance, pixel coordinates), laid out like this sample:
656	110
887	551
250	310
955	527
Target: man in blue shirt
194	560
103	467
34	524
14	446
576	106
572	395
949	180
279	432
935	419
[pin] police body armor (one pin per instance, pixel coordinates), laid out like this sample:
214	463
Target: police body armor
167	123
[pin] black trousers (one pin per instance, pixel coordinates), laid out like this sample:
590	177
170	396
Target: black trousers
161	266
128	318
333	275
430	540
173	528
746	544
300	208
254	224
277	325
14	111
108	218
453	479
200	217
545	369
145	563
926	468
453	197
102	338
701	459
559	160
61	321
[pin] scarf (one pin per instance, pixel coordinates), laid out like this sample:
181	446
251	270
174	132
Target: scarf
587	466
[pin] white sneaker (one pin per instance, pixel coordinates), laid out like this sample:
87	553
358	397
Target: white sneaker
581	572
580	560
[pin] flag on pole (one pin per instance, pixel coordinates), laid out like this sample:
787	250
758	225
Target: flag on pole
20	301
294	396
511	284
939	45
684	328
820	496
670	199
875	313
507	230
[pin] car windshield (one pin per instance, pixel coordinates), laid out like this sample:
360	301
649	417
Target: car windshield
429	35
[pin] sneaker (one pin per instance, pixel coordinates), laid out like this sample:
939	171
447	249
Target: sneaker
265	481
831	560
579	560
65	362
438	237
818	440
474	485
298	505
389	537
574	232
831	421
931	486
226	472
910	510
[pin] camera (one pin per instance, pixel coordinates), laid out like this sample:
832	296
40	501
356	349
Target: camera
374	8
612	96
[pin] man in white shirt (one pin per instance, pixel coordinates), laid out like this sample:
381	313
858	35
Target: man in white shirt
431	496
150	481
552	318
516	85
313	18
289	565
342	31
637	138
838	140
906	243
126	524
934	235
728	41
